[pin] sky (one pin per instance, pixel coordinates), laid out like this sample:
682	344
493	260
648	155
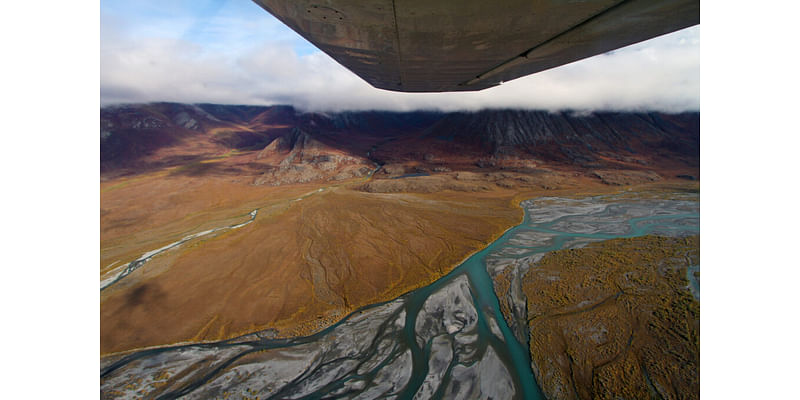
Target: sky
234	52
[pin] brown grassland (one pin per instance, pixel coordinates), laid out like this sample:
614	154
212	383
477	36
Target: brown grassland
302	264
616	319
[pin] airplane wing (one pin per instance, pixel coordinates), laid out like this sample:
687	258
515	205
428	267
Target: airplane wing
449	45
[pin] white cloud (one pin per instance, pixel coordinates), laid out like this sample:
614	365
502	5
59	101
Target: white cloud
660	74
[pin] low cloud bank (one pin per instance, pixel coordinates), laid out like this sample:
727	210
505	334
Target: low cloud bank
661	74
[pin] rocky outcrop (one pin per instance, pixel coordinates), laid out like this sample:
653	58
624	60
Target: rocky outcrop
306	159
280	145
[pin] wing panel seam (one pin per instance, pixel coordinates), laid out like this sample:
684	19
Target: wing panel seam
397	44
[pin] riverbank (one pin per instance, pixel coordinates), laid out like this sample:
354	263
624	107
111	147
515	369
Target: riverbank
448	337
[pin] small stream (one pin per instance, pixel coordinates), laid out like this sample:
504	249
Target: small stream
445	340
114	276
122	272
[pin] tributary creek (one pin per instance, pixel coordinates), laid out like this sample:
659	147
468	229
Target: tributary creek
445	340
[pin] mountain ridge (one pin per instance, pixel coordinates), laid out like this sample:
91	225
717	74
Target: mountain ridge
145	137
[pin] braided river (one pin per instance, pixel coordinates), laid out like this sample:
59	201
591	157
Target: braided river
445	340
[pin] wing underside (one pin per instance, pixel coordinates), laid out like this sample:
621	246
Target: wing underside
441	45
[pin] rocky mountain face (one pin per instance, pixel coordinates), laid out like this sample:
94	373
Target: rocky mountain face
281	145
571	137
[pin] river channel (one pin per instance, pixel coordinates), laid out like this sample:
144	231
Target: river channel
445	340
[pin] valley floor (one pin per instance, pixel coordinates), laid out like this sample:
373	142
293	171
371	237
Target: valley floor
313	253
649	270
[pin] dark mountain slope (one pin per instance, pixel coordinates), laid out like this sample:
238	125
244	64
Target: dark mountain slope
137	138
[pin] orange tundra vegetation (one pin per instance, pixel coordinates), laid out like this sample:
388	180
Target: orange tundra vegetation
300	266
616	318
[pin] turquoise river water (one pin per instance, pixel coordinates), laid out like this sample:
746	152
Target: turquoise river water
446	340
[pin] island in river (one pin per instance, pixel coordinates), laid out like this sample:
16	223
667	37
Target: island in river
325	277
